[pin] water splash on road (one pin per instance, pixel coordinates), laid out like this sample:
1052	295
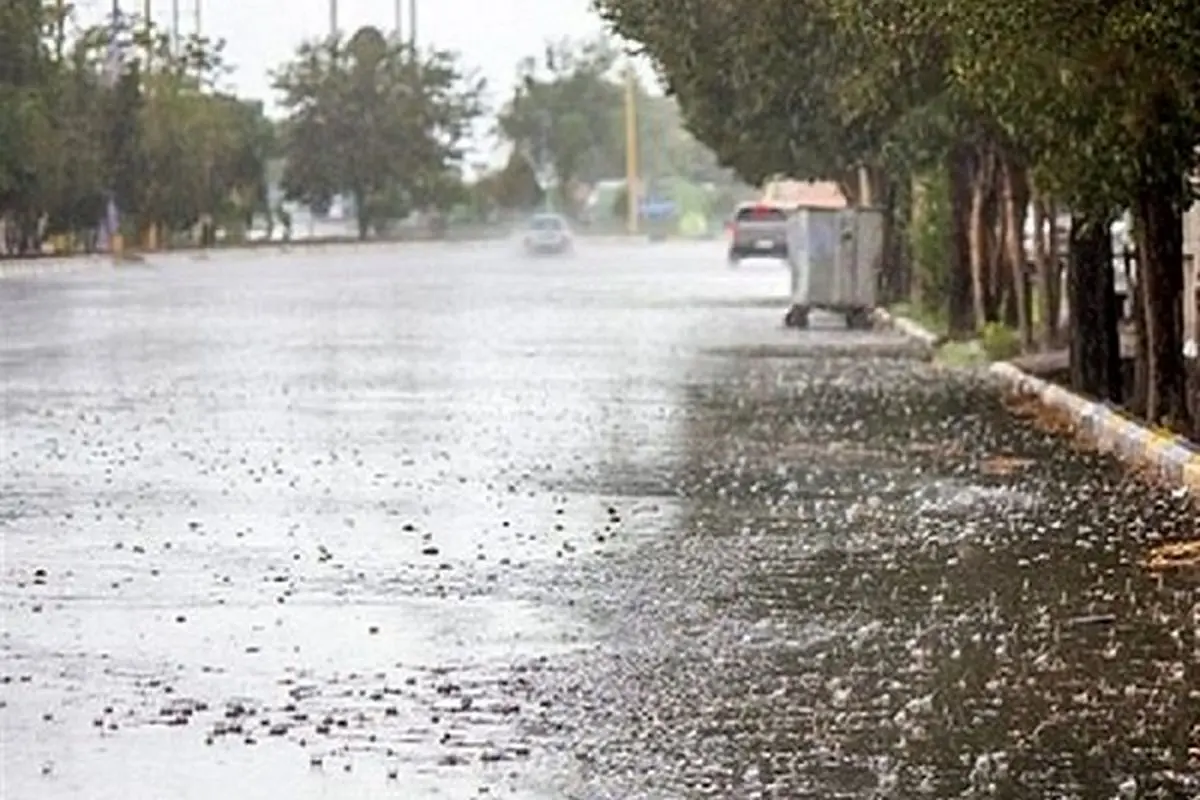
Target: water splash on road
428	521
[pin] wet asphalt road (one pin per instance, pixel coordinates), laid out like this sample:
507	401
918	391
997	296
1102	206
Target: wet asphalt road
440	521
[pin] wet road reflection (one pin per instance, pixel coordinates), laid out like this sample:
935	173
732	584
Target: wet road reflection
882	586
439	521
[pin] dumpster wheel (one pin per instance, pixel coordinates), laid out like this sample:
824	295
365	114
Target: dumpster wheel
796	318
859	319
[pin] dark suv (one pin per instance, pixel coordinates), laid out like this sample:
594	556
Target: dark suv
758	231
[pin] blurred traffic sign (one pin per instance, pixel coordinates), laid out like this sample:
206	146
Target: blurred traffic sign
656	209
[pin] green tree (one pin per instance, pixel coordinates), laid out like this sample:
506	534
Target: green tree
757	82
1078	104
517	186
155	131
565	116
1100	104
668	149
513	187
774	88
23	110
374	120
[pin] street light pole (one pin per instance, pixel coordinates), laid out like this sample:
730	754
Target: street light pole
112	218
175	27
60	27
150	234
333	18
148	22
412	23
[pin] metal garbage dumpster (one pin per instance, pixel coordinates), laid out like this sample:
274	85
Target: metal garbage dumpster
835	257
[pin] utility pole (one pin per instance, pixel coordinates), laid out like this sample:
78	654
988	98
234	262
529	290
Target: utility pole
399	15
632	195
412	23
148	23
116	243
207	226
60	26
333	18
150	240
175	27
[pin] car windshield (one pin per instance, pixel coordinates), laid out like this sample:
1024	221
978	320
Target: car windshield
547	224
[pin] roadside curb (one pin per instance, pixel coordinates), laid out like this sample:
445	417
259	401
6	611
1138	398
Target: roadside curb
907	327
18	268
1169	457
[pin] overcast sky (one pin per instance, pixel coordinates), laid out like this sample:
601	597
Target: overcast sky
489	35
492	35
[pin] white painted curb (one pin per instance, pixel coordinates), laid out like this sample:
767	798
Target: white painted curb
17	268
1171	458
1174	460
906	327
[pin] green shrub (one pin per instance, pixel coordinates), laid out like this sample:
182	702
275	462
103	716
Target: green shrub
929	239
1000	342
934	321
962	354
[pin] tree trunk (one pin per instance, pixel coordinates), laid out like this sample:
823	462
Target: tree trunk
1004	289
1052	304
1141	362
851	185
362	215
891	279
981	301
1159	231
959	295
916	211
901	202
867	181
998	268
1014	201
1095	345
1041	265
30	243
994	250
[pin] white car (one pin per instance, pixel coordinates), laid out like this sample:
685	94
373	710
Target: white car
547	234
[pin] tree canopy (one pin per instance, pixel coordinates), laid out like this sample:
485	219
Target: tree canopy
566	118
375	120
1005	107
565	115
147	128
